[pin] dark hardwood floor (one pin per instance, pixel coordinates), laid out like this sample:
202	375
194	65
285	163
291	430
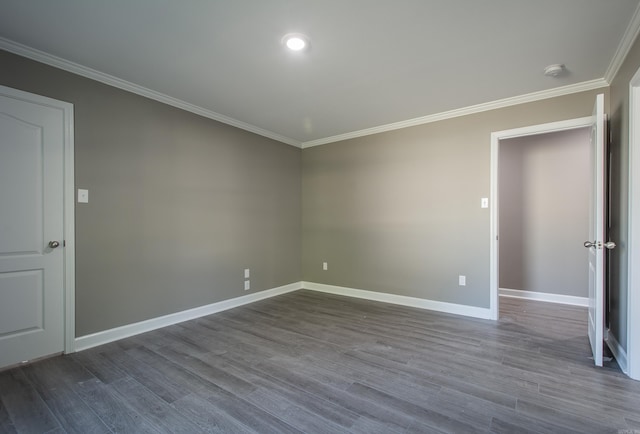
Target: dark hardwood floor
317	363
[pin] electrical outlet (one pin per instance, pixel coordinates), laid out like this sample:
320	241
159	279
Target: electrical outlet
325	266
247	273
462	280
247	285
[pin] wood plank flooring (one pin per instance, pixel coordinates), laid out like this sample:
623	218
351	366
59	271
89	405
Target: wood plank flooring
318	363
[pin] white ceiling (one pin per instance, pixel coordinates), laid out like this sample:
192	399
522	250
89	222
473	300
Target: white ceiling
372	62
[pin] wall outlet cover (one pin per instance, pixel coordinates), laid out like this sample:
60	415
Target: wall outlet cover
83	196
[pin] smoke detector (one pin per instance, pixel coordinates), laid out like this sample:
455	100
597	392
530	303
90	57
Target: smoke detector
554	70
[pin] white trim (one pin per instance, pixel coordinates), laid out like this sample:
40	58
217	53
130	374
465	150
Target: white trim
494	246
629	37
478	108
618	352
106	336
69	232
545	297
551	127
69	274
633	244
58	62
421	303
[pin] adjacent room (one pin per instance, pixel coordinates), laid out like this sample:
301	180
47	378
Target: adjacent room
319	216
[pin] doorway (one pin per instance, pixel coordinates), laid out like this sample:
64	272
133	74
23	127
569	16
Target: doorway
544	188
633	288
497	140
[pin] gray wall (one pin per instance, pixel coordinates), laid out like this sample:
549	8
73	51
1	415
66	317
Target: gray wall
399	212
619	178
179	204
544	188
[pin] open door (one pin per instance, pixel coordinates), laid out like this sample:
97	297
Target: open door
596	244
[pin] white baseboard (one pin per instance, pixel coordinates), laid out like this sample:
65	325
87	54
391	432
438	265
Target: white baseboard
106	336
543	296
618	352
439	306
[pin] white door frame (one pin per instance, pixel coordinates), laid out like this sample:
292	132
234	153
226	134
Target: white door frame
68	207
496	137
633	245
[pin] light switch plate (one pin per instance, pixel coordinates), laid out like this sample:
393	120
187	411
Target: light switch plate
247	273
83	196
484	202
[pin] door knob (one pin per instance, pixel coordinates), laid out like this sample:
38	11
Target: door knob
54	244
598	245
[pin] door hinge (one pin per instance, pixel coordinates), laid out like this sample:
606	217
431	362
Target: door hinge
64	243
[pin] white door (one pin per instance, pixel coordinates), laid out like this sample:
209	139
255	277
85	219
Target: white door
596	244
31	227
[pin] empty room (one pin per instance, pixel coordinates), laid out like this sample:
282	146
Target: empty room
303	216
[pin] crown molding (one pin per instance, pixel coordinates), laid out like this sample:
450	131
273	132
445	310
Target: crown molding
629	37
478	108
75	68
40	56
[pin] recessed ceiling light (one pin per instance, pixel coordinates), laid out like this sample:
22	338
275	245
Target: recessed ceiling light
296	41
